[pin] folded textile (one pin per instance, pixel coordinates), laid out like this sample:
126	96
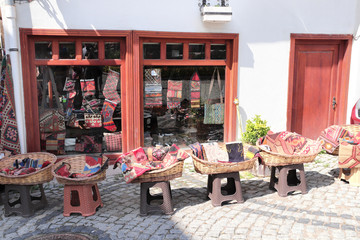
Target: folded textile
92	164
135	163
235	152
329	138
289	143
197	150
214	153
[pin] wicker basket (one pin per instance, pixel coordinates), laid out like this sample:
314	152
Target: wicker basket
352	128
40	176
277	159
5	153
159	175
77	164
206	167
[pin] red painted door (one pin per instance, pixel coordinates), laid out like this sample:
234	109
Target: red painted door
315	87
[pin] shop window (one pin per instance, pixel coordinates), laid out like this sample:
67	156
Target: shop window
175	99
43	50
151	50
174	50
90	50
80	110
218	51
67	50
112	50
196	51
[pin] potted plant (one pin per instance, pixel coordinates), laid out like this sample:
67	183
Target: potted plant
256	128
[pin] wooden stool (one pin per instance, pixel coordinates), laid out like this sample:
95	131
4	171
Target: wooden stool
281	184
352	176
83	199
146	198
233	188
27	203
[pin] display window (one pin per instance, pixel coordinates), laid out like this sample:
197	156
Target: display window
113	91
183	105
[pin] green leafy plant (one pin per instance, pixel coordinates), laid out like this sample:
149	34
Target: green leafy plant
255	128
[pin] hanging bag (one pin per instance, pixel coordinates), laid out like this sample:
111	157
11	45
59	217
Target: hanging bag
51	119
214	112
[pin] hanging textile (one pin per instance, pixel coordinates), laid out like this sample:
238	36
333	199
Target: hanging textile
153	89
111	83
195	90
174	94
9	130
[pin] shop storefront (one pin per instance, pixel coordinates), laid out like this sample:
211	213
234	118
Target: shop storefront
111	91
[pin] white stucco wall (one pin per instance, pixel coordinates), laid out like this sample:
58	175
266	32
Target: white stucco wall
264	28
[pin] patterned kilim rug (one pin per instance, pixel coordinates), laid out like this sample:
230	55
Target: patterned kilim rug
9	130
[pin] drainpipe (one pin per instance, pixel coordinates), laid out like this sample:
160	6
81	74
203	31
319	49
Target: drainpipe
12	47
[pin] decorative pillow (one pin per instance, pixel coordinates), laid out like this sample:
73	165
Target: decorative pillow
197	150
235	152
174	155
329	138
92	164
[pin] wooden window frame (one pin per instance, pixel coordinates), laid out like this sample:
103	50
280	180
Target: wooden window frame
132	64
230	64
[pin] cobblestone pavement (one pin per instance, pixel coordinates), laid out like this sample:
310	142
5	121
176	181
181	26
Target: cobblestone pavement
329	211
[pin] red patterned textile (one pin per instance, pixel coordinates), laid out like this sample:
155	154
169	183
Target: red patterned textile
9	130
329	138
290	143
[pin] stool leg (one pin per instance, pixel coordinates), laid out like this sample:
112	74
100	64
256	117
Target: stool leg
144	201
209	186
303	180
167	205
282	182
238	191
216	192
272	179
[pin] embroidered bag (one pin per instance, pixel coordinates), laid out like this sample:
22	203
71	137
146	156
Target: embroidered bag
51	119
88	144
214	113
174	94
53	142
93	120
113	142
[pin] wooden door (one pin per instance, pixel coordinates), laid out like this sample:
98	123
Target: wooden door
317	100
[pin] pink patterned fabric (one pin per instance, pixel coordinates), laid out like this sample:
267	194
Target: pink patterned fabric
214	153
329	138
290	143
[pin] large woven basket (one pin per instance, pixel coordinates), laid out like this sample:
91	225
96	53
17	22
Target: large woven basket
77	164
39	177
352	128
277	159
159	175
206	167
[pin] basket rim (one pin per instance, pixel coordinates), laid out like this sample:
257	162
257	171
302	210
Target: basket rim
286	155
154	171
33	173
76	179
228	164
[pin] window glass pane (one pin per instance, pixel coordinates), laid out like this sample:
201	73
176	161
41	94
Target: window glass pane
151	50
174	50
174	105
218	51
86	102
196	51
90	50
43	50
112	50
67	50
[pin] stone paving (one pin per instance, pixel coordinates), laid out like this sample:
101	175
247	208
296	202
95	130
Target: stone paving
328	211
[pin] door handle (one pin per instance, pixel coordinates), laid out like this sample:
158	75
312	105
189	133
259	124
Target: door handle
334	103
